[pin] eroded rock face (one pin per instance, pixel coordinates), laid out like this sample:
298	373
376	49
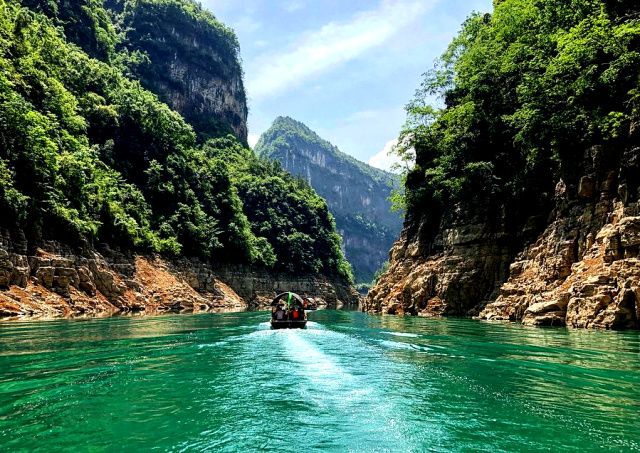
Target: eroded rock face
52	283
195	67
580	270
450	282
599	289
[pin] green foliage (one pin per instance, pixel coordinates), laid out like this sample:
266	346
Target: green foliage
86	23
87	154
284	212
286	131
12	202
162	38
526	90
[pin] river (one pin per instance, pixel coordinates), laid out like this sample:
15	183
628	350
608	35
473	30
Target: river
349	382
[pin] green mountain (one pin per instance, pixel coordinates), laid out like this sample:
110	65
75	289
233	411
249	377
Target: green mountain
189	60
357	194
91	153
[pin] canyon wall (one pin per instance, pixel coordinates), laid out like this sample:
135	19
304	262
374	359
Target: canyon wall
581	268
523	201
191	61
90	157
57	281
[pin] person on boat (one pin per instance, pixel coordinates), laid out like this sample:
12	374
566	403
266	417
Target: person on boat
295	314
280	314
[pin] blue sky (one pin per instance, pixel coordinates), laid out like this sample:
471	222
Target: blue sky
346	68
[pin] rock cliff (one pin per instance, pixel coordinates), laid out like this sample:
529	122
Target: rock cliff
191	61
357	194
581	271
57	281
108	200
523	202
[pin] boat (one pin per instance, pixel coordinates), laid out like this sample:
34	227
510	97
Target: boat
292	307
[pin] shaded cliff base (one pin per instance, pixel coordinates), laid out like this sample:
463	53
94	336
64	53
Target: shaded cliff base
56	283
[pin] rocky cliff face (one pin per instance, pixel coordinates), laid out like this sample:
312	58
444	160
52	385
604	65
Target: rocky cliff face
191	62
580	270
356	193
55	281
449	273
583	271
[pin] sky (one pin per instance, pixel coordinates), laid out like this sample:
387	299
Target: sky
345	68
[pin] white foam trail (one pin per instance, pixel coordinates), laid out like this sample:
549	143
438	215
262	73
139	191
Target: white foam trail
326	380
315	365
402	334
213	345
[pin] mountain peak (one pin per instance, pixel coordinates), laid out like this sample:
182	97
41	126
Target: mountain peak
356	193
285	130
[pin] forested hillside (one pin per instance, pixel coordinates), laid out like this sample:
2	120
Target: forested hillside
533	157
89	155
357	194
527	90
189	59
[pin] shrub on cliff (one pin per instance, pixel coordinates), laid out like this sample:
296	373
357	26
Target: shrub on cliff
526	90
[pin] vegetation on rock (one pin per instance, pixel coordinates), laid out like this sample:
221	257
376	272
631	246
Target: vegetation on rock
182	53
524	193
88	155
526	90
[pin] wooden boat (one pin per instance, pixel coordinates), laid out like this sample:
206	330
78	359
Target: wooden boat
289	303
288	324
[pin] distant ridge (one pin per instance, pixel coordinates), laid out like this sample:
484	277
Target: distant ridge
357	193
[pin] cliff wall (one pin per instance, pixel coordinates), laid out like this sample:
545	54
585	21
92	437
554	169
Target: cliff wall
191	61
583	270
522	203
57	281
580	270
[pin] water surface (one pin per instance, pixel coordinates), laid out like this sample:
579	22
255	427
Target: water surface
349	382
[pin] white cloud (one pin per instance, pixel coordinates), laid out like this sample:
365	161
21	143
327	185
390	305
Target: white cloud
332	45
384	159
253	139
293	5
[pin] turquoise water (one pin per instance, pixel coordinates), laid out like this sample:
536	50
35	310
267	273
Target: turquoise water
349	382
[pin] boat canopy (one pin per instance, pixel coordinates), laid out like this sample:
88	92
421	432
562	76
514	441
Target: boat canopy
288	298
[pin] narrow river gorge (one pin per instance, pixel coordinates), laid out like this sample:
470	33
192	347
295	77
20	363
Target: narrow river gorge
349	382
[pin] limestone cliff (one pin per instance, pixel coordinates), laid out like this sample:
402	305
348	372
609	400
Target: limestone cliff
190	60
58	281
357	194
581	270
108	200
523	201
